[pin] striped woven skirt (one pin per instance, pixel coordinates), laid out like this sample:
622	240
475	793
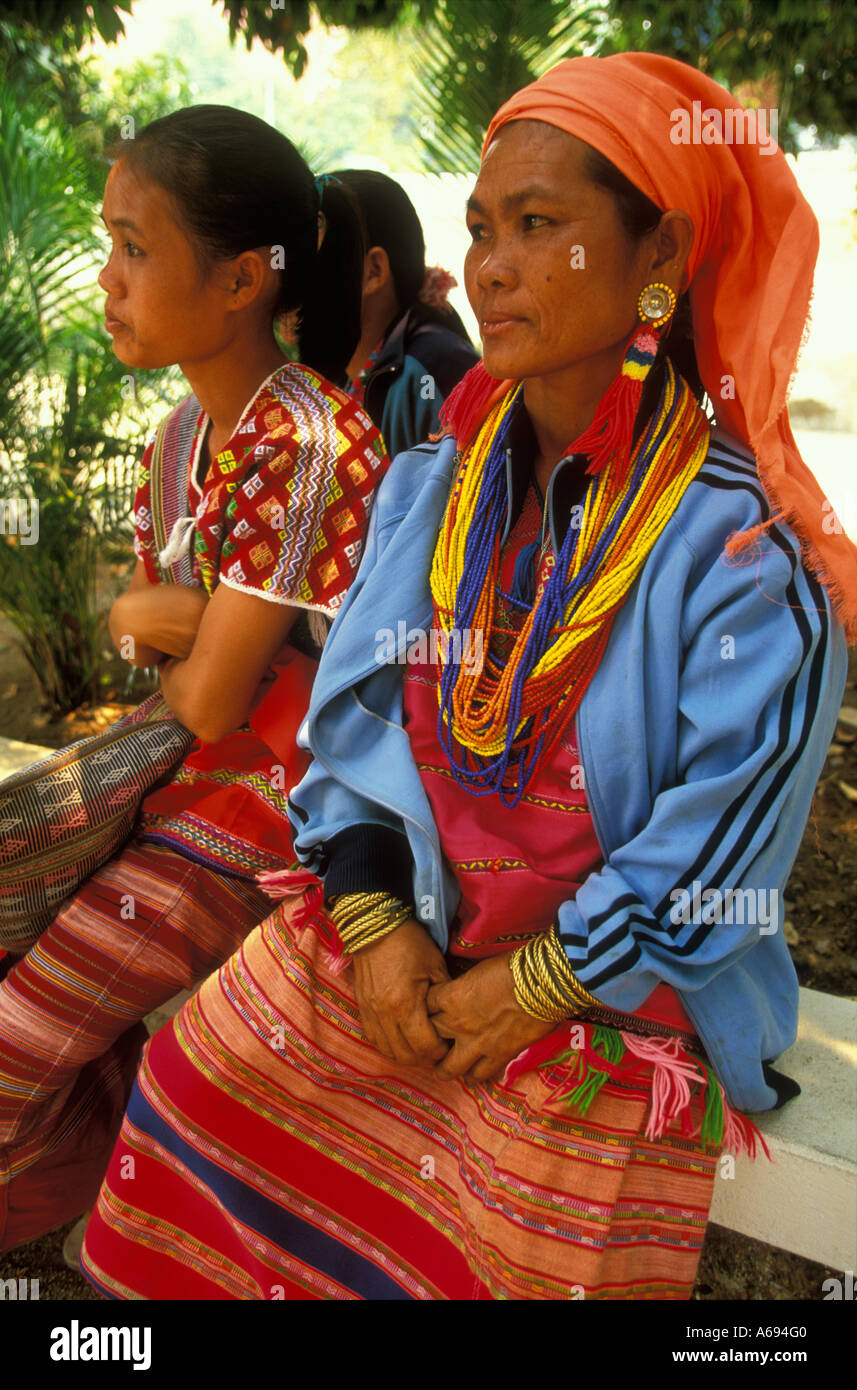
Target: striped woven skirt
147	924
270	1152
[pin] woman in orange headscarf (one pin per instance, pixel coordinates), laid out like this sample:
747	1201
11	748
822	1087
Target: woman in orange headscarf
566	733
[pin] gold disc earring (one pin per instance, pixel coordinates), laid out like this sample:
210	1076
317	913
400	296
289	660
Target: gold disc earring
656	304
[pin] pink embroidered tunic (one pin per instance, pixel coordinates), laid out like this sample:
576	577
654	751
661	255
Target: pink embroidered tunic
514	866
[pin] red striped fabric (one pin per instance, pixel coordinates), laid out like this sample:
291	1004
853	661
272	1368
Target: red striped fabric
146	925
276	1154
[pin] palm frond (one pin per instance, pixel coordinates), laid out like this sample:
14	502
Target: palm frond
69	436
46	237
476	54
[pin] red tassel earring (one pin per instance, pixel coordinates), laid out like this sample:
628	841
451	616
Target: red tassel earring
609	437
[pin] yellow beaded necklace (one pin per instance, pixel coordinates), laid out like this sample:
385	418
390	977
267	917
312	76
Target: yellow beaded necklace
507	716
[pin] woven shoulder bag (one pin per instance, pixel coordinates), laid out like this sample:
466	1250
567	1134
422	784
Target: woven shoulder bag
61	818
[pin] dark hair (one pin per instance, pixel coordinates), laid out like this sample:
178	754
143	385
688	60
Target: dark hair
639	216
239	184
390	220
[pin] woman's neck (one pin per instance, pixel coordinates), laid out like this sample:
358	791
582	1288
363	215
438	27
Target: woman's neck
377	313
224	385
562	405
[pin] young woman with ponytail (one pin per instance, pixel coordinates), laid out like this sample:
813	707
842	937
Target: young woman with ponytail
413	347
252	504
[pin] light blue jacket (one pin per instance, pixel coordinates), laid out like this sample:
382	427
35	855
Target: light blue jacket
701	735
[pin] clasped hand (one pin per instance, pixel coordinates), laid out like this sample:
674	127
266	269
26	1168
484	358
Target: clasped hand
414	1013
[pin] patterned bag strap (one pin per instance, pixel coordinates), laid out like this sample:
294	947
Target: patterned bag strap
156	487
174	439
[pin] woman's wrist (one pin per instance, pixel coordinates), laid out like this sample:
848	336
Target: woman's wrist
164	618
364	918
545	985
127	639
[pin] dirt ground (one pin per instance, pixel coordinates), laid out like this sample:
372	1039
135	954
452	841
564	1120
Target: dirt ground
821	929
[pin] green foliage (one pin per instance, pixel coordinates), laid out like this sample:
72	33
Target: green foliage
367	74
804	50
475	54
281	25
67	438
47	73
801	54
371	78
69	21
45	233
148	89
46	592
45	70
134	96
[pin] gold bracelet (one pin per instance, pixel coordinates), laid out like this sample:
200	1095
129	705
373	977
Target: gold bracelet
546	987
366	935
350	907
362	918
367	939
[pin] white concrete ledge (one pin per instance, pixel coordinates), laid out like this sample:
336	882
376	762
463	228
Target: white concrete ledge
15	756
806	1199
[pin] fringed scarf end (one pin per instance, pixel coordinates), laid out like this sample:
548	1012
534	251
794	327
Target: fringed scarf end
739	542
842	595
843	599
741	1135
673	1074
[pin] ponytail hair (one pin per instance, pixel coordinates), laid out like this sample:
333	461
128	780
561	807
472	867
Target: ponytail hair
390	220
237	184
331	297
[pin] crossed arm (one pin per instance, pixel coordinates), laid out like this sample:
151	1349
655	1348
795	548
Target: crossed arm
212	653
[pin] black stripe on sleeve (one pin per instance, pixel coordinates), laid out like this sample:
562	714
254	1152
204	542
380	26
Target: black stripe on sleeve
732	813
369	859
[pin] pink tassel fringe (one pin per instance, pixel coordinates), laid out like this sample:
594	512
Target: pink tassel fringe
675	1074
285	884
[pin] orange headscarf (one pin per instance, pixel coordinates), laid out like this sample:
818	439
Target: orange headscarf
750	267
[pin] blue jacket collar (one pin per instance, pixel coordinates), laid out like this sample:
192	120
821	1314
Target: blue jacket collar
566	487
